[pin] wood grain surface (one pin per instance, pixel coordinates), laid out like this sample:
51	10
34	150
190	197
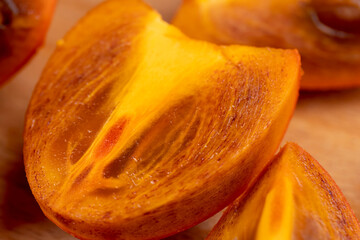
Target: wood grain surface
326	124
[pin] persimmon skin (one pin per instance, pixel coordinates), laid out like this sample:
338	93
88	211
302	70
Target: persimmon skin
124	140
295	198
330	57
22	33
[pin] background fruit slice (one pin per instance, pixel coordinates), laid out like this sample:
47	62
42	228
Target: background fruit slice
330	57
294	199
23	25
342	15
138	132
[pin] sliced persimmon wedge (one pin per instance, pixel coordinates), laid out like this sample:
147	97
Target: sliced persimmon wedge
23	25
295	198
326	33
135	131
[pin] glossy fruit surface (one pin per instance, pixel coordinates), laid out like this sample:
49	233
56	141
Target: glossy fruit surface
294	199
23	25
326	33
135	131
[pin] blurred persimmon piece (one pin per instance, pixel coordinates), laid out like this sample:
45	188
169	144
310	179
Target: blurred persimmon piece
326	33
295	198
23	26
135	131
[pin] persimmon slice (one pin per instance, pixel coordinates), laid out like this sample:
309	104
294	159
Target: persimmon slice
326	33
23	25
135	131
295	198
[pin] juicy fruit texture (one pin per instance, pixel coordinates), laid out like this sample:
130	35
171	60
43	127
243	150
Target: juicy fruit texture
23	24
294	199
135	131
326	33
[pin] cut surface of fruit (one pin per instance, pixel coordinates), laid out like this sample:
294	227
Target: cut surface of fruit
135	131
23	25
326	33
295	198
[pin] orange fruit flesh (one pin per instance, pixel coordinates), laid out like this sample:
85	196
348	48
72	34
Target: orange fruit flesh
294	199
330	57
135	131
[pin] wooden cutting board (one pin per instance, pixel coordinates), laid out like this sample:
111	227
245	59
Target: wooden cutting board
326	124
